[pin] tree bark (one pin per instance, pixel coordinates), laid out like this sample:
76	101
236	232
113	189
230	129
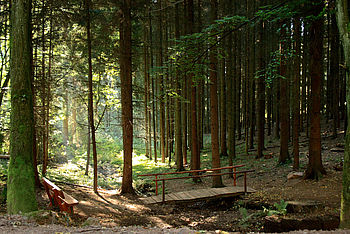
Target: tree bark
315	168
21	181
88	152
91	99
195	156
214	124
284	108
126	91
342	13
223	105
260	91
161	83
231	91
296	94
178	126
146	88
153	91
334	71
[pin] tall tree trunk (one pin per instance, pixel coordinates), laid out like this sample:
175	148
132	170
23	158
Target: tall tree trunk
126	91
237	91
214	123
284	108
247	82
47	124
4	85
200	87
296	94
223	105
91	100
153	91
178	126
195	156
231	92
88	152
334	72
252	88
65	124
167	84
184	111
304	78
342	13
44	83
260	91
161	83
146	88
21	180
35	146
315	168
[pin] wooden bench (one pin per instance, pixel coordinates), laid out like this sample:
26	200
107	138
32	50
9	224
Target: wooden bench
58	198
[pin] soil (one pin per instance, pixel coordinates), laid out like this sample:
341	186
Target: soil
112	212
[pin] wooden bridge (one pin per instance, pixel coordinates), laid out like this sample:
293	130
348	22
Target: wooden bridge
199	194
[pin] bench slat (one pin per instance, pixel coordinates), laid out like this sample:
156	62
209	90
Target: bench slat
69	199
64	201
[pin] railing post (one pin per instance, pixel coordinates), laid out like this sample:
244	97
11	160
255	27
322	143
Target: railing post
156	185
245	182
234	177
163	191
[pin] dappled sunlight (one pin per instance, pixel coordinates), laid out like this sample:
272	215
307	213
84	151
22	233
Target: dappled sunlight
159	222
68	167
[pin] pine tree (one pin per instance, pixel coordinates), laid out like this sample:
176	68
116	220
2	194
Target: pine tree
21	195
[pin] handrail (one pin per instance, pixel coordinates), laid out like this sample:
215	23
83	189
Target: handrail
193	171
198	176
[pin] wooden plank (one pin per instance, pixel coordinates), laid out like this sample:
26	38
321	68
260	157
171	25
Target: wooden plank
229	190
189	195
196	194
183	196
174	197
212	191
158	198
208	192
218	191
148	200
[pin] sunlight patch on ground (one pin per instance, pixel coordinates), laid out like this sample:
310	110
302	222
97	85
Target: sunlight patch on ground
159	222
132	207
69	167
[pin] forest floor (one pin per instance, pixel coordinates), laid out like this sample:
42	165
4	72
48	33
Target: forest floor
111	211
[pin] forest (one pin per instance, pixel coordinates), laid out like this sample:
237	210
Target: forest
96	94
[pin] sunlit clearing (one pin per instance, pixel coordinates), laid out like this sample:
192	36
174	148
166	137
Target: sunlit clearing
69	167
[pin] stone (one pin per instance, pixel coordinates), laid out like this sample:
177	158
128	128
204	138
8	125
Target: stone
295	175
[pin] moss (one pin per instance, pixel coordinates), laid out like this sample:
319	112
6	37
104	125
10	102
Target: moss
345	198
38	214
21	188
